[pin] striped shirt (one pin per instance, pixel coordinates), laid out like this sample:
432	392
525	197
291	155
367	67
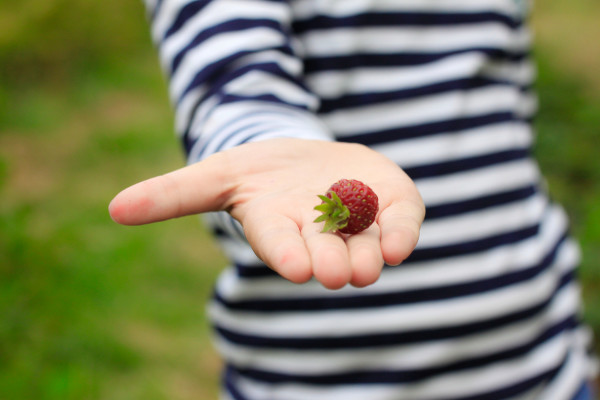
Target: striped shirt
487	306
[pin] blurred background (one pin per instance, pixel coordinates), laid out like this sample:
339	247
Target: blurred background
93	310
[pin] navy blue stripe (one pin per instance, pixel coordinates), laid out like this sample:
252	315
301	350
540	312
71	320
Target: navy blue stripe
401	19
229	26
429	129
479	203
227	227
254	271
370	98
393	338
407	376
270	67
184	15
404	59
438	293
229	378
465	164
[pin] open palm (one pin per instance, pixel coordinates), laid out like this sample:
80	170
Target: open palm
271	188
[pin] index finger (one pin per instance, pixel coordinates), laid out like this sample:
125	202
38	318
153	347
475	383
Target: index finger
194	189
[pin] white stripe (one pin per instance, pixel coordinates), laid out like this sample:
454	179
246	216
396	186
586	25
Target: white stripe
350	40
256	83
450	312
512	135
308	8
480	224
332	84
476	183
426	109
406	357
463	383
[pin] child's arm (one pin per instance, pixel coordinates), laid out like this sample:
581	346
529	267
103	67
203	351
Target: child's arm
271	187
235	75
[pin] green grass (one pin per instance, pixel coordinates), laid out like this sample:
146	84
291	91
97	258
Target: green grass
568	132
93	310
90	309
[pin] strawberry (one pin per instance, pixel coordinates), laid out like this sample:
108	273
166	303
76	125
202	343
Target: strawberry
349	206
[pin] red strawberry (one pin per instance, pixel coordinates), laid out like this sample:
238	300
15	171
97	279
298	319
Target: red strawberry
349	206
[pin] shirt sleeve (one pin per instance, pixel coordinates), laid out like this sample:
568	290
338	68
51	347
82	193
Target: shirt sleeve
235	73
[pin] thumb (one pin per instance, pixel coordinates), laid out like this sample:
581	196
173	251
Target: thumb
194	189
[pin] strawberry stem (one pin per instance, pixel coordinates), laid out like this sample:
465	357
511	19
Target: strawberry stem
335	213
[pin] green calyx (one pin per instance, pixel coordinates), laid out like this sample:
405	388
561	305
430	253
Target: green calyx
335	213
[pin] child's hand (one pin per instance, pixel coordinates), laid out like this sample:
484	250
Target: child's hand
271	187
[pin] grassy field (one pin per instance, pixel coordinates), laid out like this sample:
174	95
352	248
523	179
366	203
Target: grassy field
92	310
